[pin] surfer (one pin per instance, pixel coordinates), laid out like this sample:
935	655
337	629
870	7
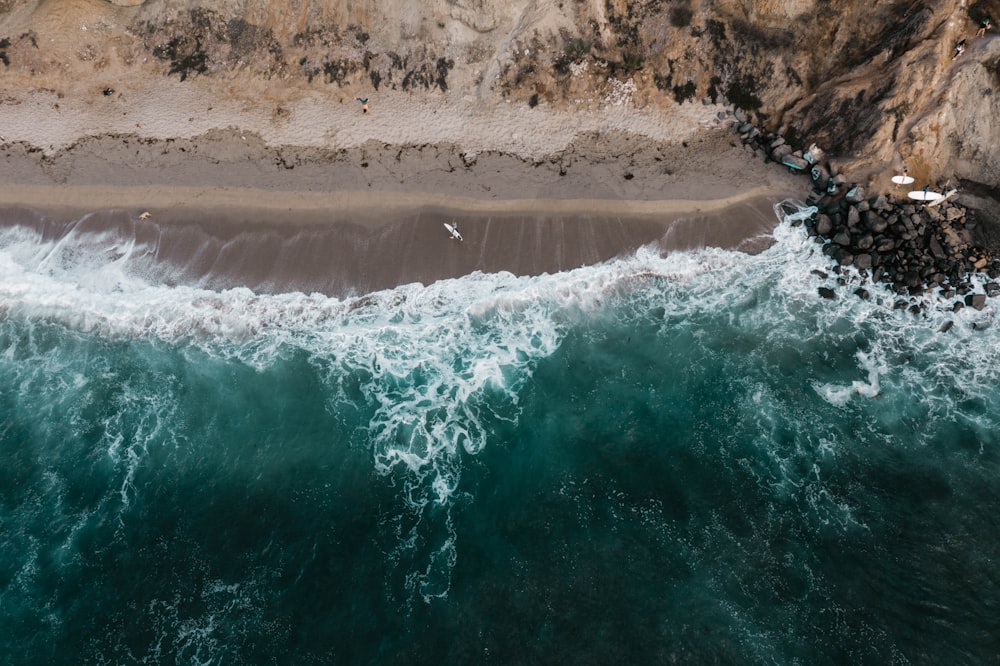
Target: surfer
364	104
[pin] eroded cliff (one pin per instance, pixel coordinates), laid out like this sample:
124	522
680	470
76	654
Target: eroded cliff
874	83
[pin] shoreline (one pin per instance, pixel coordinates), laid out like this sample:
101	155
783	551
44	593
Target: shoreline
273	250
229	209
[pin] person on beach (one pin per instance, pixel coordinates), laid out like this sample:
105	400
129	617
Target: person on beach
364	104
984	25
959	49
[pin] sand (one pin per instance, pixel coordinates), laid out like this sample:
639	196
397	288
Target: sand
352	202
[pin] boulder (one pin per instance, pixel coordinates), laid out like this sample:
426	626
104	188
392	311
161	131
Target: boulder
881	203
820	176
977	301
934	245
884	244
794	162
855	195
824	225
866	242
945	327
779	153
853	217
842	238
863	261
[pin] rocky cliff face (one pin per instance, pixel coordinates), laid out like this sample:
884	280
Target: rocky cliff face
874	83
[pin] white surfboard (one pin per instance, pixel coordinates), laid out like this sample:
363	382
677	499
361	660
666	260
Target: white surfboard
902	180
920	195
453	230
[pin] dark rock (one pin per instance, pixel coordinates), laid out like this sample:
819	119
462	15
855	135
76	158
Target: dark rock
915	309
977	301
744	128
900	305
881	203
862	293
947	293
843	257
842	238
934	245
853	217
855	195
911	279
779	153
824	225
958	306
794	162
992	289
863	261
820	274
866	242
945	327
884	244
877	225
827	293
820	176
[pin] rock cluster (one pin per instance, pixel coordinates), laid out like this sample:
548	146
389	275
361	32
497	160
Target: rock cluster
911	248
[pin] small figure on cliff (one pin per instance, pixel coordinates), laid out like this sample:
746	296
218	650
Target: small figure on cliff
108	92
984	25
959	49
364	104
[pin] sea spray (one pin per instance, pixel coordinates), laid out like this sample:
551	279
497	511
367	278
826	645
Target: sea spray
689	454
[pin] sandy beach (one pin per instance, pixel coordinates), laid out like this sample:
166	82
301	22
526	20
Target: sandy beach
346	218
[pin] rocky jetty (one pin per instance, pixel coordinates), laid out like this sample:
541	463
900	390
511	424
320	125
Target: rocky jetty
913	249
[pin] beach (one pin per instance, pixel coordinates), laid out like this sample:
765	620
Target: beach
352	217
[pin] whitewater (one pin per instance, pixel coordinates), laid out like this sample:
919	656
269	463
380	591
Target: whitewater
684	456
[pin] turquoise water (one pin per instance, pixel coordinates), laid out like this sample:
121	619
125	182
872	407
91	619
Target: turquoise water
687	458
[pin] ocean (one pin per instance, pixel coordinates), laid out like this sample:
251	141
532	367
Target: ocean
688	457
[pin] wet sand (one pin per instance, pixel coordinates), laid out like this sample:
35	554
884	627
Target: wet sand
313	250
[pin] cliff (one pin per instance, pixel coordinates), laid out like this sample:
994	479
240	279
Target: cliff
873	83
